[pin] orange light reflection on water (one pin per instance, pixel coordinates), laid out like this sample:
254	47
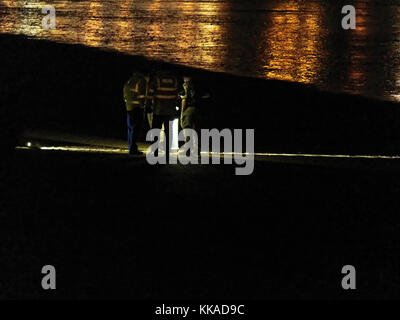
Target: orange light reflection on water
291	50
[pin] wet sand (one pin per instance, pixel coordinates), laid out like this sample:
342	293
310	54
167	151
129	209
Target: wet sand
116	227
78	90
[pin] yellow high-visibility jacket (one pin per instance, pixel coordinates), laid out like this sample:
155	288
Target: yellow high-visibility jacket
135	91
164	87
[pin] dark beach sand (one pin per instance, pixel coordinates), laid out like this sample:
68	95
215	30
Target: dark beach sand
115	227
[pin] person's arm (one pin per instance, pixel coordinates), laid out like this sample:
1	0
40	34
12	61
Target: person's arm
127	94
151	93
183	105
183	96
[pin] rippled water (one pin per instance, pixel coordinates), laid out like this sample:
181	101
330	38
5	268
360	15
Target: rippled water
293	40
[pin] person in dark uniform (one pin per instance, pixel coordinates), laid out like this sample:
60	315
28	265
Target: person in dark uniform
190	113
188	109
135	96
164	89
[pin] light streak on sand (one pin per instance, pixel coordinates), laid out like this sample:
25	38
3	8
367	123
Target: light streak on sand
77	149
95	149
326	155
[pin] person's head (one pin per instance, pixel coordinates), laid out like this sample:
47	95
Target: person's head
187	78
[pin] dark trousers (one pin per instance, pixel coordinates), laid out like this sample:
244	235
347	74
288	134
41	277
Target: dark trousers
158	121
134	123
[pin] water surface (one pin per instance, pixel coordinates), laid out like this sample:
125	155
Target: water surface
292	40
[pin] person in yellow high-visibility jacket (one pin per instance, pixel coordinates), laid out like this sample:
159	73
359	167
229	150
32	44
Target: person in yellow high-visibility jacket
164	88
135	96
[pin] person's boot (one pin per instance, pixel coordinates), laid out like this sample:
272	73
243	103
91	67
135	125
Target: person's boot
135	152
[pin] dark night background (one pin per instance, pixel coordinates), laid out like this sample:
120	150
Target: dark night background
116	227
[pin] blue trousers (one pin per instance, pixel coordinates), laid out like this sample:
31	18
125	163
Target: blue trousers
134	121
